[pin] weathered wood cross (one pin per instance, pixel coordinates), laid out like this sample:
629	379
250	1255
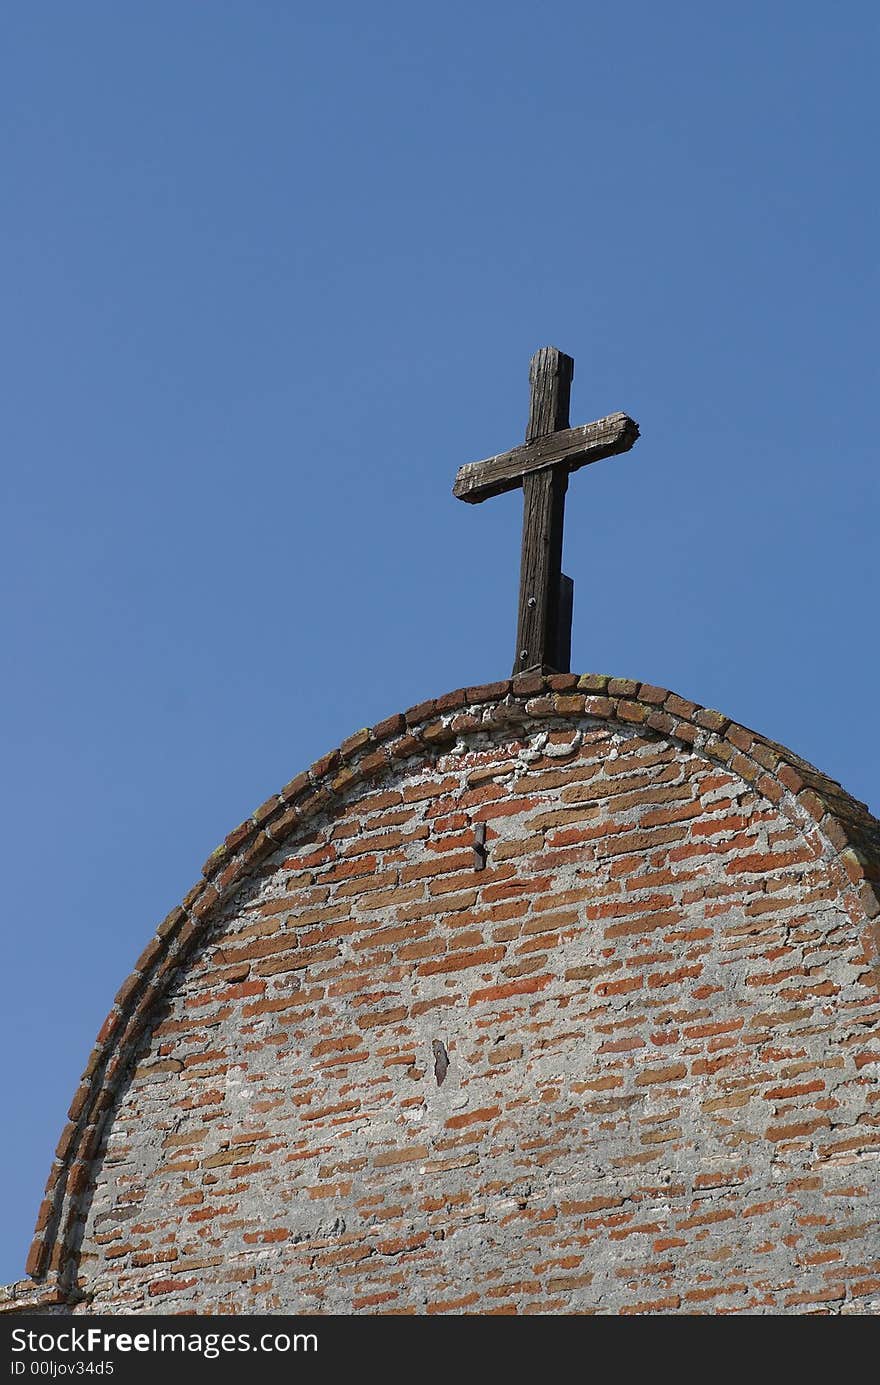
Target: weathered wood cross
552	450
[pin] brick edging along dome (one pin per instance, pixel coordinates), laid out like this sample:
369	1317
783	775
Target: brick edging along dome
792	786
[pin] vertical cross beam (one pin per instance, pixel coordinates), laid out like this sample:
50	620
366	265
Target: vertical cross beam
541	465
543	637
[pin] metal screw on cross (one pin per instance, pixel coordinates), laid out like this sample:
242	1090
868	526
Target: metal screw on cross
542	466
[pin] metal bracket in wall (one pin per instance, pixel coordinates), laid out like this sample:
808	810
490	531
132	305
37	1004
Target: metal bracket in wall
479	846
441	1061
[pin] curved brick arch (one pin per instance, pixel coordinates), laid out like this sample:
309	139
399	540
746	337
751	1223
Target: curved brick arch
791	785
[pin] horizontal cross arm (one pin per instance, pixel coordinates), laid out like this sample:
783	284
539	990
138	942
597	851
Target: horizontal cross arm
570	447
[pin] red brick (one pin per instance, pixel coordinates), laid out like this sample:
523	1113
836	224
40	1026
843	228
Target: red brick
422	711
391	726
167	1286
598	706
631	711
325	765
294	788
654	1305
649	693
392	1157
568	704
511	988
528	684
376	1018
680	707
489	692
356	743
673	1073
461	961
482	1116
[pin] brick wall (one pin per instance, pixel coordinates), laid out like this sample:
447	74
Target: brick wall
622	1059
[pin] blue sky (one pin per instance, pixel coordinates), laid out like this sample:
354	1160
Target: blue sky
270	274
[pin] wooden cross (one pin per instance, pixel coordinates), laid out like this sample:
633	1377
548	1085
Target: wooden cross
552	450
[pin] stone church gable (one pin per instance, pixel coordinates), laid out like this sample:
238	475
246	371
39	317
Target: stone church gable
559	994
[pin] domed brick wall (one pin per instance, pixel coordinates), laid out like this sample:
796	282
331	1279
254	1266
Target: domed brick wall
552	996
